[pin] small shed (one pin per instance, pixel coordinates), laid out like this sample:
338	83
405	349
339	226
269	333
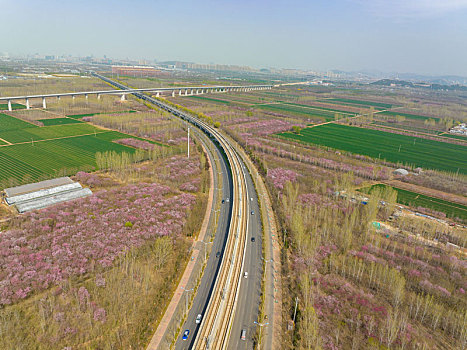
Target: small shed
402	172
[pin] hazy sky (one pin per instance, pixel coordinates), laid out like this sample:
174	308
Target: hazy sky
420	36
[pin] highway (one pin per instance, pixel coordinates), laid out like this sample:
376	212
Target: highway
224	289
250	289
205	288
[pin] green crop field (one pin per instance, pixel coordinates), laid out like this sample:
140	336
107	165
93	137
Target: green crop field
413	199
407	115
358	102
278	94
4	106
58	121
47	132
303	110
318	109
453	136
8	123
405	127
79	116
48	157
55	147
394	148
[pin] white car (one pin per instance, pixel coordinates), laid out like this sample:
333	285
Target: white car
245	275
198	318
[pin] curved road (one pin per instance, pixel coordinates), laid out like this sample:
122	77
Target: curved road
248	298
204	291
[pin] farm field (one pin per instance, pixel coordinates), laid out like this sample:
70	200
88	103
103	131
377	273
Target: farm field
405	127
317	108
49	157
304	111
11	123
413	199
358	102
4	106
47	132
394	148
407	115
58	121
65	143
281	95
453	136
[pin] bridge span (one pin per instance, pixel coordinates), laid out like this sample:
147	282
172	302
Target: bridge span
158	91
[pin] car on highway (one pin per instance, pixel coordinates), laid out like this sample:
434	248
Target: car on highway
185	334
223	201
198	318
245	275
252	212
252	239
227	200
218	254
243	336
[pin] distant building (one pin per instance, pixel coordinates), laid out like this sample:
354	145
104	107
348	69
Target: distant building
460	129
137	71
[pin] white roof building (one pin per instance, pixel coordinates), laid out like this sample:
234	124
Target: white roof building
44	194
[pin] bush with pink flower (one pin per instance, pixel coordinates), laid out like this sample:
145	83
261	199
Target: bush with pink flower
280	176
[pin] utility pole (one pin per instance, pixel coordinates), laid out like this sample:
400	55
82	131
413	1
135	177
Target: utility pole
205	244
187	291
267	261
188	142
295	312
261	325
215	216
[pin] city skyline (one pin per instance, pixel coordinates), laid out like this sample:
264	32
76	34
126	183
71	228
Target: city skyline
417	36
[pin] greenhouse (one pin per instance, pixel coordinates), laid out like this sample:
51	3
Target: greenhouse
44	194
